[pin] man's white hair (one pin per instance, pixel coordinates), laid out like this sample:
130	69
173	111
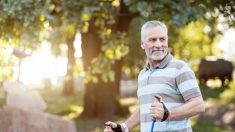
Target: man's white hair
153	23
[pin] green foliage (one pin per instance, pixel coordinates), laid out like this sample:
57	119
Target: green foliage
70	17
224	7
114	48
21	21
135	59
7	61
78	67
186	22
26	22
177	13
192	42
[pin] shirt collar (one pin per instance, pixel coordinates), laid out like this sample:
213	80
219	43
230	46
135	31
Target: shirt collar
162	64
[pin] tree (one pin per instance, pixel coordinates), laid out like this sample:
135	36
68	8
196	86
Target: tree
73	16
102	92
21	25
64	20
103	25
101	97
178	15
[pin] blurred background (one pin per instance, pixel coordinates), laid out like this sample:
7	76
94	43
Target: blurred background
78	60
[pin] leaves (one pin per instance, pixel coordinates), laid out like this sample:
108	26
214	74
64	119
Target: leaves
177	13
27	22
114	48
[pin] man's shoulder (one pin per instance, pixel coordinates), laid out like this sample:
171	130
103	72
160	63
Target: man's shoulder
142	71
177	63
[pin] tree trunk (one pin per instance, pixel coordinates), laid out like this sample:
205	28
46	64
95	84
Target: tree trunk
124	19
102	99
68	85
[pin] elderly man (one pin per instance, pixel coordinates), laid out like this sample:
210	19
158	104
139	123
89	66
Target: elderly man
167	89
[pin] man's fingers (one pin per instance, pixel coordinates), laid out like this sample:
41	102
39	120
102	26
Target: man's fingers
158	98
108	129
154	104
156	115
111	124
107	123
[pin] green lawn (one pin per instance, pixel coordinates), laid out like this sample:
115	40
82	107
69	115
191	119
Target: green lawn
63	106
2	102
2	97
70	107
203	126
66	106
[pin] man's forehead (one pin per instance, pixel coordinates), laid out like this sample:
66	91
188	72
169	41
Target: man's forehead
155	31
159	28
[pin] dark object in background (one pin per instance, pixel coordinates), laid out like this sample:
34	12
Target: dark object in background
219	68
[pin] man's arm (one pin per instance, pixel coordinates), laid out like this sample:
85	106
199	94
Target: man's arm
133	120
192	107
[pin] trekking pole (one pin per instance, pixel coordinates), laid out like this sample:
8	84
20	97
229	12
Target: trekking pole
153	122
153	125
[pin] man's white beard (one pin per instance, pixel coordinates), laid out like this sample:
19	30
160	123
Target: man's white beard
157	57
152	56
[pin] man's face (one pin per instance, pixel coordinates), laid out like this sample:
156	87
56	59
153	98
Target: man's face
155	43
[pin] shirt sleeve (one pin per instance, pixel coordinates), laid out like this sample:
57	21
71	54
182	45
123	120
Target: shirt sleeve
187	83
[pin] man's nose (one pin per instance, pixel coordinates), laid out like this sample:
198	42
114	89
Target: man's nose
157	43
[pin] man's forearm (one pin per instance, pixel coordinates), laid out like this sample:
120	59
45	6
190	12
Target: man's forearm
133	120
193	107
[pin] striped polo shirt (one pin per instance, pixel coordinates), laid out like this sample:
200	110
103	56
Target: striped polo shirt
175	82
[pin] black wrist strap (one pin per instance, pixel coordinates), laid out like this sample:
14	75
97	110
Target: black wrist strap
118	128
166	113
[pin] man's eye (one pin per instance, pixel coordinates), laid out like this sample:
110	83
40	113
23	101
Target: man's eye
152	40
162	39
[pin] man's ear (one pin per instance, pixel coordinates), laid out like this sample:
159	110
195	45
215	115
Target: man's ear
142	45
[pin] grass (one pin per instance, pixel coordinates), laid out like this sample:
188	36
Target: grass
70	107
203	126
218	94
62	106
228	96
2	97
67	106
213	93
2	102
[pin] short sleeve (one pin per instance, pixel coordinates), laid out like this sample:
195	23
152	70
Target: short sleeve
187	84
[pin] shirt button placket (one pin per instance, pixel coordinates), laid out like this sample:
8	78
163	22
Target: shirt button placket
150	72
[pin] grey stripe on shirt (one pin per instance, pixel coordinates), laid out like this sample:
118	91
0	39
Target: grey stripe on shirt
158	80
167	98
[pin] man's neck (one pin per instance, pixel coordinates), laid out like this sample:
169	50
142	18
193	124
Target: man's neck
154	63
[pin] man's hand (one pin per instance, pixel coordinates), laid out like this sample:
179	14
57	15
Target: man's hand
108	129
109	125
157	110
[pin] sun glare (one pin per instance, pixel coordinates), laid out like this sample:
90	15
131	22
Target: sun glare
227	43
43	65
